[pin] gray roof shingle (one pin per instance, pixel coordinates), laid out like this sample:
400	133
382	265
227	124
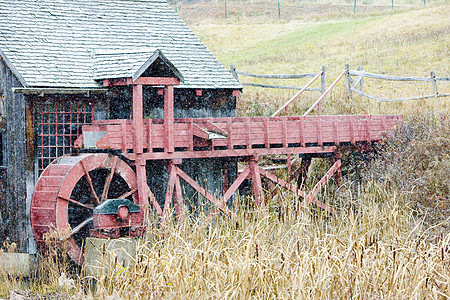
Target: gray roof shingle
65	43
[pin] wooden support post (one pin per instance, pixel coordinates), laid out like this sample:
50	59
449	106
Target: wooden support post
434	83
138	126
124	135
303	170
233	72
138	118
256	182
141	175
347	82
248	135
225	176
170	189
230	134
361	84
168	118
288	163
322	81
149	141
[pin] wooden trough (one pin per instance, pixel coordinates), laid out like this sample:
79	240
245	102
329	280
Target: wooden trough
69	197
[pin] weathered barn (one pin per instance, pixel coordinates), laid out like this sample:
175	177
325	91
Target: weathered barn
55	56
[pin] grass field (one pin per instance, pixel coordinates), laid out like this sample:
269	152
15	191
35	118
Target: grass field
389	236
410	42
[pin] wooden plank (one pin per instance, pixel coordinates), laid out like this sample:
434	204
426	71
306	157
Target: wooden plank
233	152
398	99
326	92
387	77
279	76
230	133
199	132
281	87
285	105
266	133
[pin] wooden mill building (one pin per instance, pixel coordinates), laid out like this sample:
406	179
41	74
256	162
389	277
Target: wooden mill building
54	58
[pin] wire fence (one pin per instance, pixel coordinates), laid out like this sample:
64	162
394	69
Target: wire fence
285	9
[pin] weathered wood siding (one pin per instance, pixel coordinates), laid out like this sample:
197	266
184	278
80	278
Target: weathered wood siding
13	204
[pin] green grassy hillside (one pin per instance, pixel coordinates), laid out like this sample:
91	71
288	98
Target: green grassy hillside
402	43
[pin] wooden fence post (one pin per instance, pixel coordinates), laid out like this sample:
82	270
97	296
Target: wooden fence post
434	83
361	85
322	81
233	72
347	82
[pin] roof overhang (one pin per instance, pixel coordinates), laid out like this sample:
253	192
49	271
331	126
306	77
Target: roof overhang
111	65
151	60
13	69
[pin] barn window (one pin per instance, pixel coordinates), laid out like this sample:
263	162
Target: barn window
58	125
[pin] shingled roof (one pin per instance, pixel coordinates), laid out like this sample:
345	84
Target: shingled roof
74	43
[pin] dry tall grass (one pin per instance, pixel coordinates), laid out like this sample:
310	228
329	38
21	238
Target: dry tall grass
372	248
388	236
378	243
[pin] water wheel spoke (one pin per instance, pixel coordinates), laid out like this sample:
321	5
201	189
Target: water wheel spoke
109	179
128	193
81	225
77	202
89	180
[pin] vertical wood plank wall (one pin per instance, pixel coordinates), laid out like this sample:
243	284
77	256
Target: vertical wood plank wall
14	221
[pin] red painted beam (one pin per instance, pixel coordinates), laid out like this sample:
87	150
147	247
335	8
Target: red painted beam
233	152
168	118
138	118
220	205
256	182
311	197
281	182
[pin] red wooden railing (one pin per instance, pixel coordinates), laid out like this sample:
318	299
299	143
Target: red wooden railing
245	133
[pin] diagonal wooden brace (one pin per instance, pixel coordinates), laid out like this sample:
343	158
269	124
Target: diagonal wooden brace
282	183
258	192
219	204
231	190
180	209
170	190
311	197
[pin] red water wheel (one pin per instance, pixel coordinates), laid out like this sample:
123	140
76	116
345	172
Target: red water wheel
68	191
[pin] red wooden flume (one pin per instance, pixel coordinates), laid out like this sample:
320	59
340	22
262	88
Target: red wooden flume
126	197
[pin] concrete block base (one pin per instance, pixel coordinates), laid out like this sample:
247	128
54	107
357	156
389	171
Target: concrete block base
104	257
16	264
